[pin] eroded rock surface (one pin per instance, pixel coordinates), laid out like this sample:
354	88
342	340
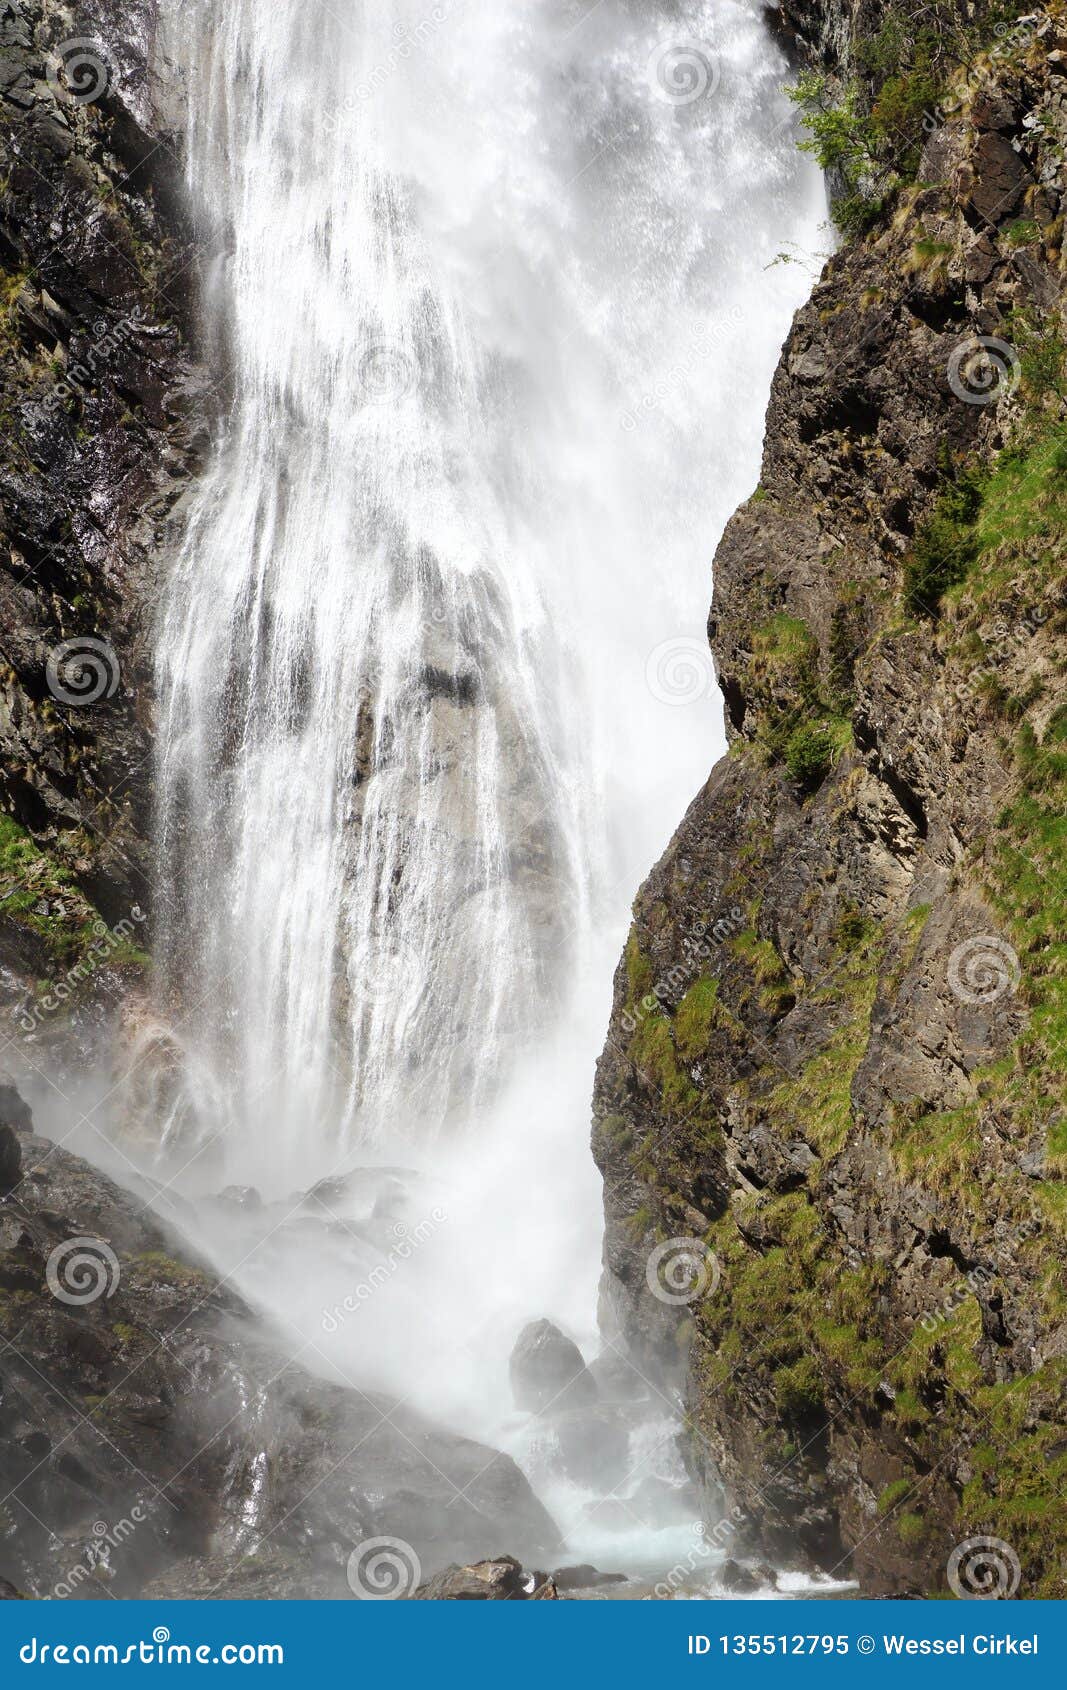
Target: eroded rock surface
835	1070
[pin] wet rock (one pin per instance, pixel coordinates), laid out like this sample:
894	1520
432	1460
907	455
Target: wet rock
662	1503
594	1444
745	1581
241	1197
98	1419
548	1371
10	1159
500	1580
617	1379
738	1580
92	466
584	1577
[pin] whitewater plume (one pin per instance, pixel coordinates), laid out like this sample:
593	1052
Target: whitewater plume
488	294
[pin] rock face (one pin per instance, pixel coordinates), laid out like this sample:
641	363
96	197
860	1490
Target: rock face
98	439
834	1078
155	1438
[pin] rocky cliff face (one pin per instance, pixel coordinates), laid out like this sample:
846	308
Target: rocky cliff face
98	401
829	1112
155	1437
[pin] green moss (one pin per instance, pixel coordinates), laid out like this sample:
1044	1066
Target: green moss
893	1494
786	644
640	975
617	1131
38	890
160	1269
653	1054
911	1528
698	1012
799	1390
640	1223
945	547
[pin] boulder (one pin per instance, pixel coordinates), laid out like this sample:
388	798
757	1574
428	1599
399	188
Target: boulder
745	1581
617	1379
499	1580
594	1445
584	1577
737	1579
548	1370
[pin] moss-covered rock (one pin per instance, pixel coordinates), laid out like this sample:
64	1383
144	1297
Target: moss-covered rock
877	1369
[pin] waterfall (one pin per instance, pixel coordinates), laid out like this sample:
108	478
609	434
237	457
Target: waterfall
494	293
490	315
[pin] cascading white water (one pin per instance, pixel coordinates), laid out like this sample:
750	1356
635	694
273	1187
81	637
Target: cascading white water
494	293
492	318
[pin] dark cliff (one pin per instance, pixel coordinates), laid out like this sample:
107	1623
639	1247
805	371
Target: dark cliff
156	1438
98	438
832	1091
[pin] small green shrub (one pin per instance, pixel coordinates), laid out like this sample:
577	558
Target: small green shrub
809	755
798	1390
945	547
